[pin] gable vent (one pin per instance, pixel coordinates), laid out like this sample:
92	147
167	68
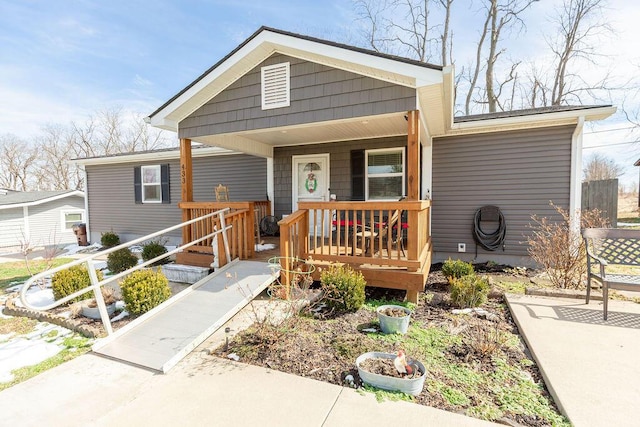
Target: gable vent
275	86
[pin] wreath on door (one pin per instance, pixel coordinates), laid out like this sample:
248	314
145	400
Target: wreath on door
311	183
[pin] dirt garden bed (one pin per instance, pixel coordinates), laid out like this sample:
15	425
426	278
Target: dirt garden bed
476	363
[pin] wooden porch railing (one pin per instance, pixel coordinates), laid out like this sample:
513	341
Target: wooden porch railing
244	218
384	234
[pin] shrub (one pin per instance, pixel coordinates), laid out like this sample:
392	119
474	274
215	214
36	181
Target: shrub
456	269
109	239
153	249
469	290
142	290
343	287
121	260
71	280
560	250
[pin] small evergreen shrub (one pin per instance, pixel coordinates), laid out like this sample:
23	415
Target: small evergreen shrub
343	287
153	249
469	291
121	260
456	269
71	280
143	290
109	239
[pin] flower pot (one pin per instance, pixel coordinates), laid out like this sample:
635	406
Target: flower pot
94	313
411	386
392	324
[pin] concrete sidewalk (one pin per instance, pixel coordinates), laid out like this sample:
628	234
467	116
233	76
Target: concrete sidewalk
590	366
200	390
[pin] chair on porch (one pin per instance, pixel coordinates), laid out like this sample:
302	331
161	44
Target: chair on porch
389	232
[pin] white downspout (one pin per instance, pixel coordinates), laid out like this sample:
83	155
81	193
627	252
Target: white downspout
575	192
86	202
270	184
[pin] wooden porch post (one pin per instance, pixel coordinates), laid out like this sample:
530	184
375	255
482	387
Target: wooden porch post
413	155
186	184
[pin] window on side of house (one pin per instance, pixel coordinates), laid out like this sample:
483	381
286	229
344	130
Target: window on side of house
384	174
69	218
275	86
151	184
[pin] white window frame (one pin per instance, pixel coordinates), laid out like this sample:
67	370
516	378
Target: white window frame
63	220
158	184
285	92
383	175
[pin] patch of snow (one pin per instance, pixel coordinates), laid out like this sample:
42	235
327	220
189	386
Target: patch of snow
37	297
264	247
23	352
75	248
99	265
233	356
369	330
119	305
136	249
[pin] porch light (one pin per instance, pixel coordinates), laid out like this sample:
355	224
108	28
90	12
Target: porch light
311	166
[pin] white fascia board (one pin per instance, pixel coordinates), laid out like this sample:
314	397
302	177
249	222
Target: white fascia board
272	42
541	119
155	156
41	201
420	75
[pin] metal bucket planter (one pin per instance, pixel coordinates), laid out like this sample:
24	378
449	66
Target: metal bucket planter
411	386
94	313
391	324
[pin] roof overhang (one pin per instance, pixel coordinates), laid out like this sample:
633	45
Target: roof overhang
267	42
73	193
159	155
546	119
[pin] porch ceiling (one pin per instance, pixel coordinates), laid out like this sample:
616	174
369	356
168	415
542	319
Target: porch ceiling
261	142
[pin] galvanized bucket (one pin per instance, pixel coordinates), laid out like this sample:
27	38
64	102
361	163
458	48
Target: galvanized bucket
411	386
393	325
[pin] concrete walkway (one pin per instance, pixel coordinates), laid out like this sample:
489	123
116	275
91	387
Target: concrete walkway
590	366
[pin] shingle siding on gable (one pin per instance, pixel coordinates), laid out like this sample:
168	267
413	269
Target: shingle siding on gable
111	194
520	172
318	93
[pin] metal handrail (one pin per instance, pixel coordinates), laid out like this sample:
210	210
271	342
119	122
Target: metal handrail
97	284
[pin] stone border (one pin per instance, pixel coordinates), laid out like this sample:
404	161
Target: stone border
88	331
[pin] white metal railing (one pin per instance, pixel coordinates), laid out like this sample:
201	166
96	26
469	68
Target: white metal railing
97	284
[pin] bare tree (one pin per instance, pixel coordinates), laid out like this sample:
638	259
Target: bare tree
600	167
56	145
447	35
17	161
503	15
403	27
577	23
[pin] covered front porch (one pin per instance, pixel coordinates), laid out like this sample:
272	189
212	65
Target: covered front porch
388	241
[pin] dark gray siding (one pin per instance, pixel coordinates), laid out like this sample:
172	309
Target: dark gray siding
318	93
520	172
111	196
339	166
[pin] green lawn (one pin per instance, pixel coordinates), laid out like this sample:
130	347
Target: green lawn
17	271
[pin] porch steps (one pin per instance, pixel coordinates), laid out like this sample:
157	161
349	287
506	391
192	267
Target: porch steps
162	337
197	259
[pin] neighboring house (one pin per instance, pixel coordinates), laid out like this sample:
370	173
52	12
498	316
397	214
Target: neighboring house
40	218
376	127
119	199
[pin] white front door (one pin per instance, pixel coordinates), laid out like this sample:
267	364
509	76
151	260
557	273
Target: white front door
310	183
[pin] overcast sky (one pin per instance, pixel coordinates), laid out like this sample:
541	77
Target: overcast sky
63	60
